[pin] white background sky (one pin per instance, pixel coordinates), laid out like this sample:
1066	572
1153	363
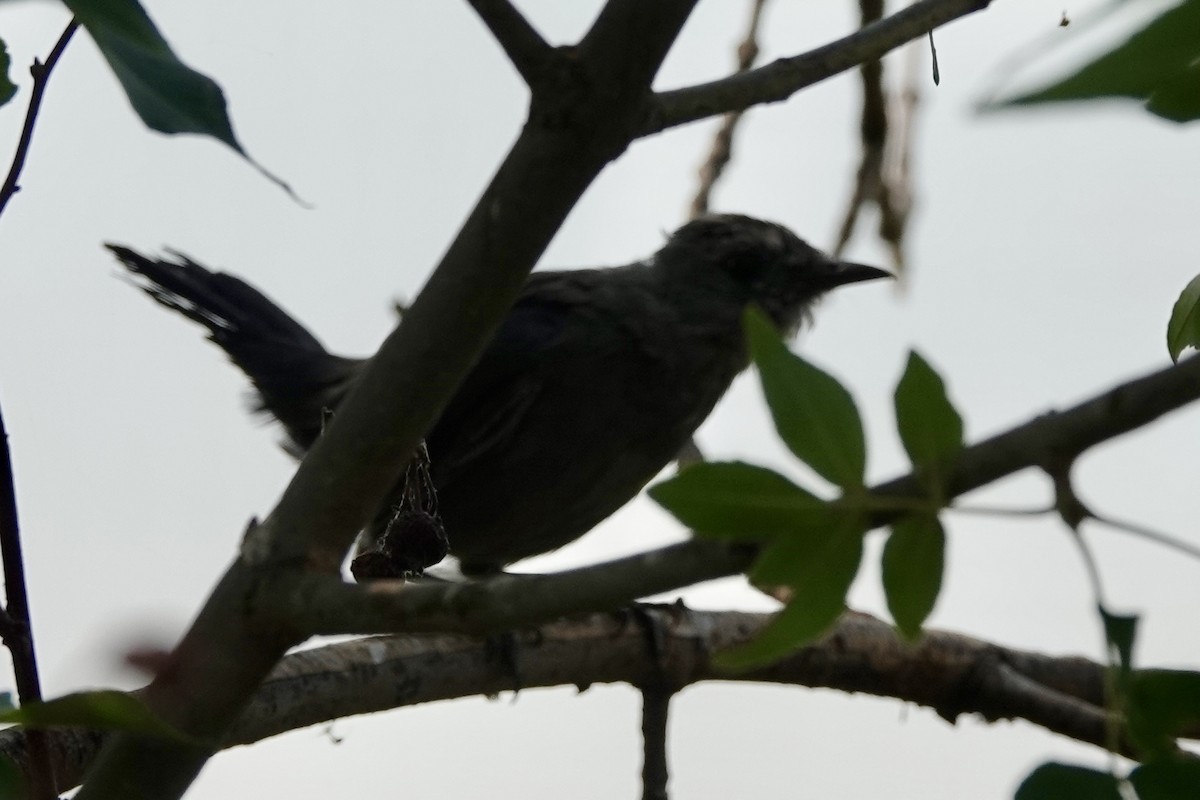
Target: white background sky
1047	249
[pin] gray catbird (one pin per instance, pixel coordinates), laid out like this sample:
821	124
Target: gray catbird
593	384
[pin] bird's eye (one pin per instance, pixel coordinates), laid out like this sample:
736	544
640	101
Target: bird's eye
746	267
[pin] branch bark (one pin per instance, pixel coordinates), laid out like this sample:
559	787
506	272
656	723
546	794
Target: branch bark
323	604
523	45
949	673
570	136
781	79
41	77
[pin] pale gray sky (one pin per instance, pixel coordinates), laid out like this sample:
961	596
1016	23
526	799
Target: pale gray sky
1047	249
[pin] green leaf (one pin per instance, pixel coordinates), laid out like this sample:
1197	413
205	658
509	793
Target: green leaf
1162	704
1120	630
1183	330
819	570
913	562
739	501
1158	65
12	783
930	428
1167	780
810	558
168	95
7	87
814	414
1052	781
107	709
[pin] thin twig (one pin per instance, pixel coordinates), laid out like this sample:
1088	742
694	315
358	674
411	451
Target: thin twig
714	166
883	173
19	640
523	45
656	705
1158	537
873	130
722	146
41	75
997	511
781	79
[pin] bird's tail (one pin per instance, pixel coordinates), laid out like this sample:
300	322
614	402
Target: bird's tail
297	379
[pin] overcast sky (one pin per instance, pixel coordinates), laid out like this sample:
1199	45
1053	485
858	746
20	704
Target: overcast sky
1046	251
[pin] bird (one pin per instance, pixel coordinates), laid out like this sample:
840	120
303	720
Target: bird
592	384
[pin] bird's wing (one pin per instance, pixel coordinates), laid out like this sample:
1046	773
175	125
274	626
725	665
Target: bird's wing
487	410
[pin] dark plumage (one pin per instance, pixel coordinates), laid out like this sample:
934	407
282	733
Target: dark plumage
592	384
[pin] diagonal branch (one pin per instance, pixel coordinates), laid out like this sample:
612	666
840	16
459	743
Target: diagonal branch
569	138
523	45
1062	435
323	604
41	76
783	78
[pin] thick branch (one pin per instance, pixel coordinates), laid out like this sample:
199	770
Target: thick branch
783	78
947	672
569	138
523	45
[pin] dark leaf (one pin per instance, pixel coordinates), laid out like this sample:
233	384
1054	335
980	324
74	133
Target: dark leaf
1183	330
12	783
1161	705
740	501
1167	780
1120	630
913	561
1158	65
1067	782
168	95
7	87
814	414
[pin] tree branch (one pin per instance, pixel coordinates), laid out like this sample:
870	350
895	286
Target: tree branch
656	707
1058	435
722	146
323	604
570	136
41	76
949	673
18	636
783	78
523	45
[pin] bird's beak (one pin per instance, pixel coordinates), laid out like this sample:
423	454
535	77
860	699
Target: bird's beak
848	272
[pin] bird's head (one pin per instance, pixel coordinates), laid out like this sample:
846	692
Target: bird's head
754	261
